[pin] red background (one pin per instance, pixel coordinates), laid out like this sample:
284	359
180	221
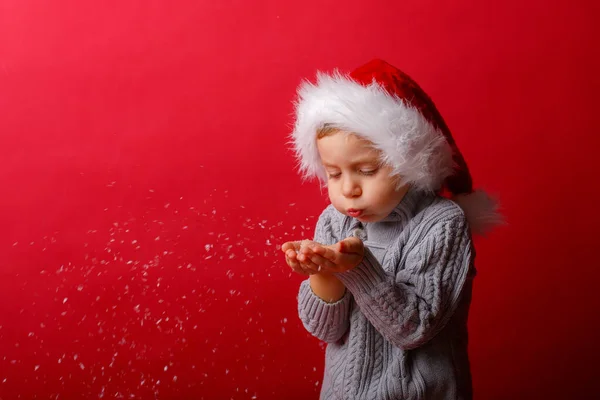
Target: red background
146	181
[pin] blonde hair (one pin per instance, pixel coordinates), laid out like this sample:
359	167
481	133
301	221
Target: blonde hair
327	130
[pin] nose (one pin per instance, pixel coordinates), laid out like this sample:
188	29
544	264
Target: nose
351	188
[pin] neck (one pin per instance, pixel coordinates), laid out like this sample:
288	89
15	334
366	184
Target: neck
408	205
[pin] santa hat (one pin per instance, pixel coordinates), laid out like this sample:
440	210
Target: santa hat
382	104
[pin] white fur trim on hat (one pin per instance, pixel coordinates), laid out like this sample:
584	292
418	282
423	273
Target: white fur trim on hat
410	144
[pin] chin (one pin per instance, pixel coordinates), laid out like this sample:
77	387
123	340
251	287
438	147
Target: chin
368	218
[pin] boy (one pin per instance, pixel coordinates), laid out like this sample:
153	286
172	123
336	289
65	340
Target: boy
391	265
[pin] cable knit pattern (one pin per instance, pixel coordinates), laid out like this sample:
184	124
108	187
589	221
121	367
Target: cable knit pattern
326	321
397	332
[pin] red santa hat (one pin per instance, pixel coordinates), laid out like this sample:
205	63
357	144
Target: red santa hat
382	104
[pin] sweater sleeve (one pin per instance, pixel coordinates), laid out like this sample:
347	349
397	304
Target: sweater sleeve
410	308
326	321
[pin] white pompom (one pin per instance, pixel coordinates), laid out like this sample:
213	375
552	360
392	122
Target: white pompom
481	211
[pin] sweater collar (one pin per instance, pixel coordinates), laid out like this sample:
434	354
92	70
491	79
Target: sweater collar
408	206
402	213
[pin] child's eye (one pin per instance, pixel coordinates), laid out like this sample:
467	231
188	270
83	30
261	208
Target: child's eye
368	172
336	175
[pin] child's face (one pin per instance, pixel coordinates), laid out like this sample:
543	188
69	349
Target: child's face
358	185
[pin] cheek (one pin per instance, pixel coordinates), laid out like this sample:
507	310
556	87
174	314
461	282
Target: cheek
388	197
334	196
330	190
331	193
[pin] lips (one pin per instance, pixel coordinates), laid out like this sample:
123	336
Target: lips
354	213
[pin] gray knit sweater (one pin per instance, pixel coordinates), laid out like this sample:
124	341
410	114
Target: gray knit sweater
400	331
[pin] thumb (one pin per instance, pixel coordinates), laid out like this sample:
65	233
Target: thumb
289	246
351	245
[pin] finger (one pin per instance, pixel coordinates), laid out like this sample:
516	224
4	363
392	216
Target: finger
306	252
351	245
322	262
327	252
305	244
305	268
301	256
305	256
288	246
291	257
318	249
312	253
291	254
306	263
296	266
289	262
